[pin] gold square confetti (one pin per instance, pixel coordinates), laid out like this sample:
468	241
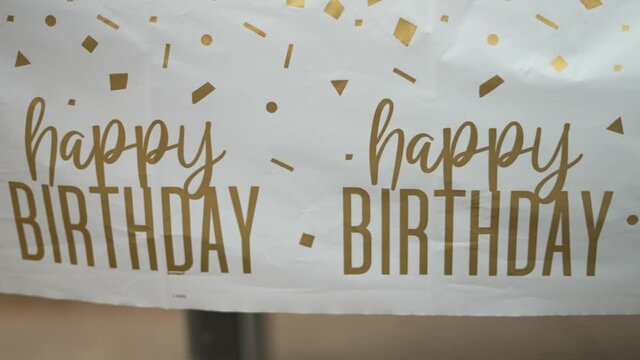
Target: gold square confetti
307	240
404	31
118	81
295	3
89	44
626	27
559	63
71	102
334	9
444	18
10	18
153	19
617	68
591	4
201	92
348	157
358	22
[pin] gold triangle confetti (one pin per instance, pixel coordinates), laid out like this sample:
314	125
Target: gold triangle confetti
334	9
490	85
404	31
21	60
339	85
591	4
295	3
616	126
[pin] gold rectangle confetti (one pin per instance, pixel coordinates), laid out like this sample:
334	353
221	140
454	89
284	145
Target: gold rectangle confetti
295	3
490	85
287	59
307	240
255	29
201	92
334	9
165	61
108	22
547	22
404	75
282	164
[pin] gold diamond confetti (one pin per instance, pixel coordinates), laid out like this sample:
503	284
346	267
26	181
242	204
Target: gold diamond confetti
201	92
372	2
282	164
358	22
287	59
547	22
118	81
404	31
295	3
89	44
307	240
617	67
493	39
165	60
559	63
153	19
71	102
616	126
108	22
339	85
404	75
490	85
591	4
444	18
255	29
21	60
334	9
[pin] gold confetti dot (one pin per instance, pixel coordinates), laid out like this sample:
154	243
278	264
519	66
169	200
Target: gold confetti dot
339	85
272	107
21	60
490	85
617	68
201	92
89	44
559	63
334	9
348	157
591	4
71	102
631	220
295	3
50	20
118	81
444	18
493	39
306	240
282	164
404	75
10	18
626	27
153	19
206	40
404	31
